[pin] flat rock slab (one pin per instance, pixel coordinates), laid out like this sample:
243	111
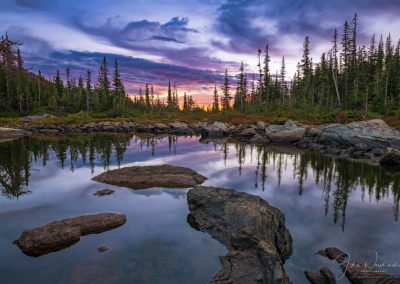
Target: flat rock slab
12	133
58	235
137	177
253	231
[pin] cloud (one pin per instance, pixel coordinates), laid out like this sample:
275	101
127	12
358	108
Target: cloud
135	71
272	21
145	36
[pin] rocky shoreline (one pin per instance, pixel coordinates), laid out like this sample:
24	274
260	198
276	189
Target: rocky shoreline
368	141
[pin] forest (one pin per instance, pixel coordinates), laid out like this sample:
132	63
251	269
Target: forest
348	78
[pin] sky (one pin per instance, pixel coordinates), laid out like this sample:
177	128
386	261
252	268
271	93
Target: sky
189	41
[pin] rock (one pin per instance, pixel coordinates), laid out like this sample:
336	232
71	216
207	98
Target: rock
391	157
161	128
252	230
335	254
362	147
247	133
103	249
315	277
138	177
12	133
290	132
261	125
217	129
181	128
324	276
372	133
30	118
58	235
328	274
258	139
104	192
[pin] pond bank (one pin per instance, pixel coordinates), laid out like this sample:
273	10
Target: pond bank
371	141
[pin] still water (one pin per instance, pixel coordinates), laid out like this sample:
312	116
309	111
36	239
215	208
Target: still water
327	202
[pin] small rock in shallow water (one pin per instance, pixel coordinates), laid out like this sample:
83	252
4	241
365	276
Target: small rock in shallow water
104	192
103	249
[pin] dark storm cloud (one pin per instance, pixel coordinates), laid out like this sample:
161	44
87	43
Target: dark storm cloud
136	71
35	4
145	36
296	18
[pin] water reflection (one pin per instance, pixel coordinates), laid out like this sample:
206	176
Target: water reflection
336	178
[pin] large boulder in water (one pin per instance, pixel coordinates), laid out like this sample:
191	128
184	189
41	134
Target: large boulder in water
138	177
373	133
58	235
290	132
252	230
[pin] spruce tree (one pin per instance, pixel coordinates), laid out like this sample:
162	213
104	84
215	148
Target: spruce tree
226	97
215	105
88	89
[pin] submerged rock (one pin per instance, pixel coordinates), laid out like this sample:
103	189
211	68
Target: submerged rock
333	254
324	276
12	133
138	177
58	235
102	249
252	230
104	192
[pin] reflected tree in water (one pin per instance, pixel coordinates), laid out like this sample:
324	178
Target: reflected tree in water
15	159
337	177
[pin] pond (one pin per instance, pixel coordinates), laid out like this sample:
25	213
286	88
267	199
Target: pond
326	202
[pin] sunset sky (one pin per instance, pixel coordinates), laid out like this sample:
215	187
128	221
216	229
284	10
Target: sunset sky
189	41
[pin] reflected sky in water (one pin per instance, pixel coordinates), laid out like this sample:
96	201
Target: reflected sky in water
326	202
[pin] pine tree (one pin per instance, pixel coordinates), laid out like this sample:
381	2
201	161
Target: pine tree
215	106
147	97
267	75
59	86
226	97
185	102
119	89
104	82
283	78
169	98
88	89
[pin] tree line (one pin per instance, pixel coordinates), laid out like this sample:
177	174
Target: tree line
348	76
22	91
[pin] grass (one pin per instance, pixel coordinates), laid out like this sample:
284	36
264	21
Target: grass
307	115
